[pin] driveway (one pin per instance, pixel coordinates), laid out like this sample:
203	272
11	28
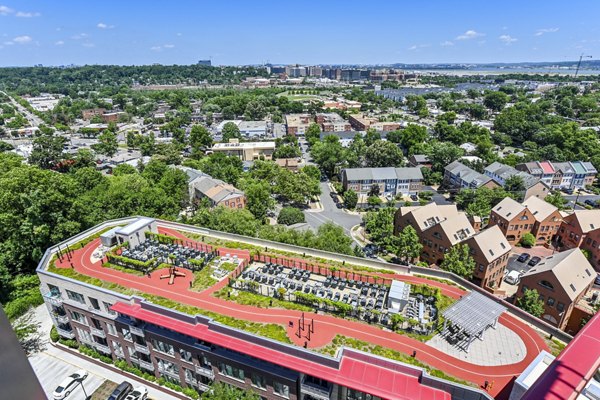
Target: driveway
331	213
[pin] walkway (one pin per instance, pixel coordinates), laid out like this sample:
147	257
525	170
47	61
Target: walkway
326	326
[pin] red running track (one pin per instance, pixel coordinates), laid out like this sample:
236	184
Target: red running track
326	326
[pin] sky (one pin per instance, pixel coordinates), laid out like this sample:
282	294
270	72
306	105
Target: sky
127	32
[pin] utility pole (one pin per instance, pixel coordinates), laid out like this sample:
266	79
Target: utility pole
579	63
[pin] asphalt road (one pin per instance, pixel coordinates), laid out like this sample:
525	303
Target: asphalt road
331	213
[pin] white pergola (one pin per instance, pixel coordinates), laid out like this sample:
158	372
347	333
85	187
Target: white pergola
472	315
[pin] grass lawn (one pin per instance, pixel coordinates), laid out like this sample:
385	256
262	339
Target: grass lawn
257	300
104	390
203	279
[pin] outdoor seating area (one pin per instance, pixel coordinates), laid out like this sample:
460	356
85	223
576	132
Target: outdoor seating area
469	318
175	254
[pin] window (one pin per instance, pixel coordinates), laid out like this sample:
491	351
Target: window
107	308
281	389
572	287
96	323
259	381
524	288
126	334
546	285
550	302
185	355
84	335
230	371
111	329
560	306
94	303
163	347
75	297
75	316
481	267
54	290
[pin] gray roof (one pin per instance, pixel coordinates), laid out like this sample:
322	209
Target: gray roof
135	226
506	171
421	158
571	269
388	173
190	172
474	313
467	174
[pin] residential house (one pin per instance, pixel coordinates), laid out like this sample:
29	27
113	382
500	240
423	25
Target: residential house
533	186
219	193
561	175
246	151
419	160
561	280
490	251
581	229
547	219
293	164
392	181
513	219
459	176
439	227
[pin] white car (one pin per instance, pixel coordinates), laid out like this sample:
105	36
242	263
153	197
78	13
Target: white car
140	393
69	384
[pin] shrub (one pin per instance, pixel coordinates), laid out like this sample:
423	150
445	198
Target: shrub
54	336
191	393
527	240
290	216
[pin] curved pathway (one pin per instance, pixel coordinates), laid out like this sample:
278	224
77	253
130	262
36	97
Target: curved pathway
326	327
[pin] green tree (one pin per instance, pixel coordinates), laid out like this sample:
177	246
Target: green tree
258	198
200	139
459	261
148	144
384	154
350	199
107	144
442	154
380	227
5	146
223	391
290	216
495	100
412	136
47	150
255	111
479	202
527	240
230	131
556	199
313	133
531	302
328	154
408	245
286	151
371	136
514	184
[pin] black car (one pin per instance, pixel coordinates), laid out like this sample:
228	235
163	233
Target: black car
121	391
414	197
590	203
339	205
597	280
568	191
523	257
534	261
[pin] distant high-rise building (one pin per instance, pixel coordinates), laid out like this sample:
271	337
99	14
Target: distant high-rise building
205	62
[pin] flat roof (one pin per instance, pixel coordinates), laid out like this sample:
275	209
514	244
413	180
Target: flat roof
233	146
474	312
135	226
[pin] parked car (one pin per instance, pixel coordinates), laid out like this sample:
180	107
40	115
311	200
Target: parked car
339	205
597	281
414	197
590	203
69	384
140	393
568	191
512	277
523	257
121	391
534	261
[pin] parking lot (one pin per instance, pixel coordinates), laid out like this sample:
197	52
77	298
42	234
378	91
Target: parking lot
271	278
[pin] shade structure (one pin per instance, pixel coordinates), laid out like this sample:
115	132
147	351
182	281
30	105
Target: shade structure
474	313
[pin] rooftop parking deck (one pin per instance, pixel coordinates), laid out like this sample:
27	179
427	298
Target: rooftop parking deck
80	264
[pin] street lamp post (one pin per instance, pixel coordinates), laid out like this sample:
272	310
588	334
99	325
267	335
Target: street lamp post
83	388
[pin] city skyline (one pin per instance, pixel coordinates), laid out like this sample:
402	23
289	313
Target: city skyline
235	33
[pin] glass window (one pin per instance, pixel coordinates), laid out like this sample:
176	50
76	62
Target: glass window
185	355
163	347
281	389
560	306
550	301
111	329
76	297
259	381
107	308
94	303
78	317
231	371
126	334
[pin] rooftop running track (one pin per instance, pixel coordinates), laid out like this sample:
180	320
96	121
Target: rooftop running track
326	327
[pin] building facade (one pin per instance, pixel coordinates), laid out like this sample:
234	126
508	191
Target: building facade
581	229
391	181
561	175
246	151
459	176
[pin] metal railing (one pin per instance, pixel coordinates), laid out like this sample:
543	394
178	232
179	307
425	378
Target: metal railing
62	319
168	372
146	365
98	332
65	333
102	347
315	390
205	371
136	331
141	348
53	298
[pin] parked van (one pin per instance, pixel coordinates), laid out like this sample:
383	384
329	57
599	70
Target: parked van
513	278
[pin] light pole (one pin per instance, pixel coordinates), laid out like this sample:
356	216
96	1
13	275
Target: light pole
83	388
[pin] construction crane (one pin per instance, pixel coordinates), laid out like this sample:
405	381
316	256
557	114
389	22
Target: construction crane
579	63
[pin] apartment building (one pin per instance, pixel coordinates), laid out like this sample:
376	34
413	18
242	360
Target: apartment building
332	122
561	280
360	122
547	219
459	176
218	193
392	181
581	229
533	186
490	251
246	151
194	351
439	228
561	175
297	124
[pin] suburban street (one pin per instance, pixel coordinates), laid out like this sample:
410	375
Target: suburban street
32	118
331	213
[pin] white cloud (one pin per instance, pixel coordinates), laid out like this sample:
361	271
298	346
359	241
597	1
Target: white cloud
169	46
507	39
156	48
22	39
470	34
22	14
417	47
59	43
447	43
79	36
540	32
5	10
102	25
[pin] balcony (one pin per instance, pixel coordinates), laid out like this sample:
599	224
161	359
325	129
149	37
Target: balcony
81	322
54	298
191	380
205	371
136	331
98	332
168	372
61	319
147	365
102	347
84	340
203	387
69	334
141	348
316	391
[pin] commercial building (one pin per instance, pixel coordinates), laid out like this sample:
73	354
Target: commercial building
561	281
533	186
563	175
533	216
246	151
360	122
297	124
392	181
332	122
459	176
581	229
